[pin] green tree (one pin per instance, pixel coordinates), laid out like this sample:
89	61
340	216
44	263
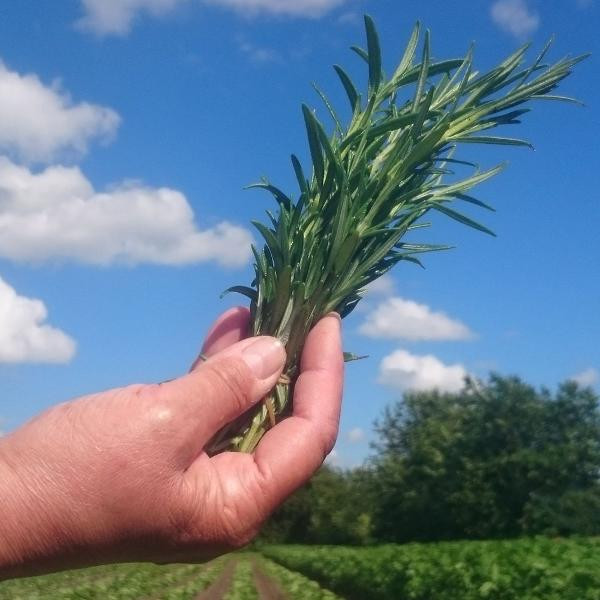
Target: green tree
335	507
495	460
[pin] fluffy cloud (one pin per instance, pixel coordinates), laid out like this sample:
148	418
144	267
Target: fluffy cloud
294	8
57	215
259	55
41	122
407	371
116	17
24	335
397	318
384	286
349	18
356	435
588	377
515	17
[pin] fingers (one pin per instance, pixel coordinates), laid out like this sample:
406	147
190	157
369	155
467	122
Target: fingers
222	388
292	451
231	327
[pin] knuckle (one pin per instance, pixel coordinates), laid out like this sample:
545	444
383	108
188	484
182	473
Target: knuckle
158	412
232	380
329	435
243	537
326	434
185	515
240	532
145	393
241	520
264	481
209	516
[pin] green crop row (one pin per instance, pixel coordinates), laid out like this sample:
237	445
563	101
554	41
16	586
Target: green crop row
115	582
527	569
172	582
189	587
295	584
242	586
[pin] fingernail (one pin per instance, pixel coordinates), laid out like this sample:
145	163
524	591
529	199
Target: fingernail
335	316
265	357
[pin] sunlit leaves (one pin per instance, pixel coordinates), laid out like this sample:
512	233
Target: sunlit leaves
533	569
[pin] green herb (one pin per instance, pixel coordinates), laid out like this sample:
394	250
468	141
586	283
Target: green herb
372	182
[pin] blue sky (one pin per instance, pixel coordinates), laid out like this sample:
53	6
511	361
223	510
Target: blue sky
128	129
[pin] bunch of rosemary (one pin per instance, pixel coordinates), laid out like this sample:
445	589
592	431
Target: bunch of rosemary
372	181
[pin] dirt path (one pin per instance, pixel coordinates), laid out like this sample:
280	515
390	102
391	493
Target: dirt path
266	587
221	586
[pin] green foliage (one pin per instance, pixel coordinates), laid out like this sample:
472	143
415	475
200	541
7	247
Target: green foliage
242	586
495	460
372	182
576	512
173	582
529	569
116	582
296	585
333	508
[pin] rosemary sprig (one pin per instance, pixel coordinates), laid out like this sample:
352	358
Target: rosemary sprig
372	182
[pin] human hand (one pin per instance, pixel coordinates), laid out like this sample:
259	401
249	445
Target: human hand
122	476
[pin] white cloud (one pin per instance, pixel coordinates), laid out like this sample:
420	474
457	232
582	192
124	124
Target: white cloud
356	435
588	377
349	18
515	17
384	286
292	8
407	371
41	122
116	17
257	54
397	318
56	214
24	335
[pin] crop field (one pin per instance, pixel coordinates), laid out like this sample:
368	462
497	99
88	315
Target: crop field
244	576
528	569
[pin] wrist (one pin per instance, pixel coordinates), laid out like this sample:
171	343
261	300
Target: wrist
12	545
27	539
47	523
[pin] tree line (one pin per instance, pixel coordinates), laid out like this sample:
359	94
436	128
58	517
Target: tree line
499	459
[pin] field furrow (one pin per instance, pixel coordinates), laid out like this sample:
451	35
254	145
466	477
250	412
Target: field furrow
525	569
267	587
295	585
242	585
220	586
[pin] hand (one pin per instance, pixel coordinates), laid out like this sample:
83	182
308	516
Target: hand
122	475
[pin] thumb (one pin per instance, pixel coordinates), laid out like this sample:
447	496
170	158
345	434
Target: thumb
225	386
